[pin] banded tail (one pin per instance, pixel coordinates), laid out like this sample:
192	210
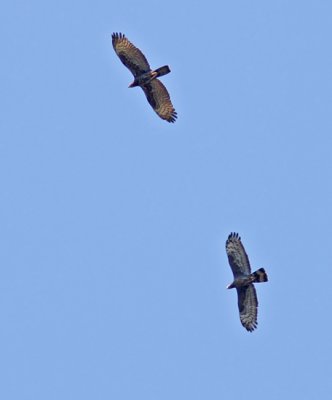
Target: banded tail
260	275
163	70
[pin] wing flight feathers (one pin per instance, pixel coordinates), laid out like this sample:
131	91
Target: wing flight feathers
131	56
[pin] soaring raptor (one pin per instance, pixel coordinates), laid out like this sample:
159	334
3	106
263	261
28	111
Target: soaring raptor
243	281
155	92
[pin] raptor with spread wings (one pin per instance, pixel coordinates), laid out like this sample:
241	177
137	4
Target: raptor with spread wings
243	281
155	92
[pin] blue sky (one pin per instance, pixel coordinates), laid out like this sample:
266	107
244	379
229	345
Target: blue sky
113	222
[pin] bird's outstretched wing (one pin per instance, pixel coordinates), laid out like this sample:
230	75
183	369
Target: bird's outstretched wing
237	256
159	99
248	306
130	55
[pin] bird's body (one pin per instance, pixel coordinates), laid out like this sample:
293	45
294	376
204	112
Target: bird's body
255	277
243	281
147	77
155	92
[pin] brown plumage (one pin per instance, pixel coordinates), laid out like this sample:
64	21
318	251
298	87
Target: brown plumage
155	92
243	281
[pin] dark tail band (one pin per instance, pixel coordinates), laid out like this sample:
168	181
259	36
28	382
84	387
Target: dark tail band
163	70
260	275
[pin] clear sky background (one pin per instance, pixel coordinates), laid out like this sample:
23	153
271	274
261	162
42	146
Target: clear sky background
113	222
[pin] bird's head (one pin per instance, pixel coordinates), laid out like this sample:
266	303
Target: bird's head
230	286
133	84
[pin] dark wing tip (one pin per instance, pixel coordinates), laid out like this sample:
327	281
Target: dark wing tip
234	235
173	117
251	327
117	36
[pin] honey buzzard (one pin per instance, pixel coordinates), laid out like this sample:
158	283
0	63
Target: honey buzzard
243	281
155	92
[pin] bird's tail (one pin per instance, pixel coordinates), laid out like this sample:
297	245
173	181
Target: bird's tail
163	70
260	275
